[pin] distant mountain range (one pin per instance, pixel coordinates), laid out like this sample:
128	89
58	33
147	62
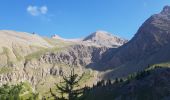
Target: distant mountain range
100	38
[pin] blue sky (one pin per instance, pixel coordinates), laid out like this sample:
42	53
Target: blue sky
77	18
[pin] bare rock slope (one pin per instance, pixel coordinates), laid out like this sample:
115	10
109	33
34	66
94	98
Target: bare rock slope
150	45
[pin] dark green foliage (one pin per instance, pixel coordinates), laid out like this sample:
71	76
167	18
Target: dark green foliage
100	83
121	80
85	93
17	92
10	92
113	91
34	96
116	81
108	82
138	75
142	85
141	74
70	88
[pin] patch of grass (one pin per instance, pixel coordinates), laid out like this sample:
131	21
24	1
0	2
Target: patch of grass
162	65
36	47
48	82
43	87
52	41
37	54
58	46
86	76
57	42
4	70
27	91
18	56
167	64
6	51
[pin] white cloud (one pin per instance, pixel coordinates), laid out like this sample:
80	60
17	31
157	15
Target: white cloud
33	10
43	9
36	11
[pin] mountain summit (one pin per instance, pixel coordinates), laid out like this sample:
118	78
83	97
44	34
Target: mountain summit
166	10
104	38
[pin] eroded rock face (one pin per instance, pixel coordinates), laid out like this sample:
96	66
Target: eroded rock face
36	71
77	55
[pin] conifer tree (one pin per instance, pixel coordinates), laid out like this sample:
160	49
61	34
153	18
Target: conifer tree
116	81
109	82
69	87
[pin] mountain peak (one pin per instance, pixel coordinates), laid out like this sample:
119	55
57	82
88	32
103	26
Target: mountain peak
104	38
55	36
99	34
166	10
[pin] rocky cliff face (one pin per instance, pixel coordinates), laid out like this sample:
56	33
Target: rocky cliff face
148	46
76	55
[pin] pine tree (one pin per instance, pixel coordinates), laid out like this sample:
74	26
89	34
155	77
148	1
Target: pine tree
109	82
121	80
116	81
69	87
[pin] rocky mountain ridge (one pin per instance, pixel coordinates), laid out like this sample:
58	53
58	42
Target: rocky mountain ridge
150	45
98	38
